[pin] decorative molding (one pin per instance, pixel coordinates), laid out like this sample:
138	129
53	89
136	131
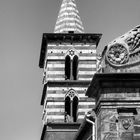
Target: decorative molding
117	54
123	52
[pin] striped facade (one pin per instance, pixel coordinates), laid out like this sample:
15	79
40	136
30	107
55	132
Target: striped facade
68	59
68	18
54	70
54	106
55	61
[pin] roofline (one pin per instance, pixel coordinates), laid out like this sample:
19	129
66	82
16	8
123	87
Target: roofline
66	37
110	80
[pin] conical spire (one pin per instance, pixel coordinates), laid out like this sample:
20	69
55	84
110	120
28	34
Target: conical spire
68	18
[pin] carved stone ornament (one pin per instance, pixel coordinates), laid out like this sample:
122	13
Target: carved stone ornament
127	123
71	52
133	39
117	54
123	51
72	93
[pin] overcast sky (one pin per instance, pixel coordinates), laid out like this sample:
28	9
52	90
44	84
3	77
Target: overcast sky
22	23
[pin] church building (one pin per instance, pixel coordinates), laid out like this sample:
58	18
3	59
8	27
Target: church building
86	97
68	59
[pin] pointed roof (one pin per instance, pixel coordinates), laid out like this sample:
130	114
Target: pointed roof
68	18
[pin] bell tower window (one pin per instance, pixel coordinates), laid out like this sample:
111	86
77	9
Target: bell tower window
75	108
67	105
71	106
71	65
67	67
75	66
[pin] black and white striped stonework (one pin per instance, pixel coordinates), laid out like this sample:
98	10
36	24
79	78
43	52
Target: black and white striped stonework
54	69
68	18
55	61
68	57
54	106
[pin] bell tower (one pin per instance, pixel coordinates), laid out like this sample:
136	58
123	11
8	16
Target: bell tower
68	59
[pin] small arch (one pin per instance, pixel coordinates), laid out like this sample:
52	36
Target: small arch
71	64
72	52
72	93
71	106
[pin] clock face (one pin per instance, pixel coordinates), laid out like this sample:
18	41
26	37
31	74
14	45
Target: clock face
117	54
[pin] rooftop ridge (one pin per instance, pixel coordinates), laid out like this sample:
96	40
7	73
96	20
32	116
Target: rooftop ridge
68	18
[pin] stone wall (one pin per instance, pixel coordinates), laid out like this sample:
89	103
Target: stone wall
118	114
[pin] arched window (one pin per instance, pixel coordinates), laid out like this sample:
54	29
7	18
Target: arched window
71	65
71	106
67	105
67	67
75	108
75	66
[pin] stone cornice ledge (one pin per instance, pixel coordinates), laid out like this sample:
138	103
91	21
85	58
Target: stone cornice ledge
112	80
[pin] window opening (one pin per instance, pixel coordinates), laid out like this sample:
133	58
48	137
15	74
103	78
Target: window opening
71	66
67	67
71	106
75	66
67	105
75	108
